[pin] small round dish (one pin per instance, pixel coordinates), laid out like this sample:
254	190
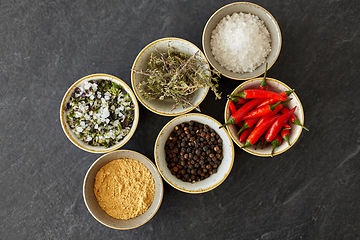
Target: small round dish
99	214
245	7
295	132
208	183
165	107
77	141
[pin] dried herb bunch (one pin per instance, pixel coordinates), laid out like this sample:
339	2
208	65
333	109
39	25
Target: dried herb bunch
175	75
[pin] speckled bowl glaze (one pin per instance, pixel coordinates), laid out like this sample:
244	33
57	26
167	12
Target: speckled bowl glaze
165	107
204	185
295	132
263	15
73	138
93	206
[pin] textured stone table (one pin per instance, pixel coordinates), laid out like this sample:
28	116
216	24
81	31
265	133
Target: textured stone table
309	192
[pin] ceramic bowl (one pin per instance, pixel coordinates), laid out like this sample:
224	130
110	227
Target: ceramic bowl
245	7
208	183
276	86
73	138
165	107
93	206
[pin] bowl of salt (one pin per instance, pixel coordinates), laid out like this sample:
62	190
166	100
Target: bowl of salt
240	38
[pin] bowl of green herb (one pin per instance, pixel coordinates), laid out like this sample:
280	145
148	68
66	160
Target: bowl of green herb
99	113
171	76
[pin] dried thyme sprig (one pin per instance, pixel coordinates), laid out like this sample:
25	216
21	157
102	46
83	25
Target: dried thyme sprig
175	75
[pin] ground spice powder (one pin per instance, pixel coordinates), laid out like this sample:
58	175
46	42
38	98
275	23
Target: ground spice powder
124	188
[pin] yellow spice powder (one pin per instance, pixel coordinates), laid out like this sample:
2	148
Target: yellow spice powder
124	188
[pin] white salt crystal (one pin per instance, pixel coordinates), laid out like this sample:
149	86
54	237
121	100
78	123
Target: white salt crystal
240	42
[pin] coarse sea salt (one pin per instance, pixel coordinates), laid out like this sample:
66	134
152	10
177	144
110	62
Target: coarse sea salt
240	42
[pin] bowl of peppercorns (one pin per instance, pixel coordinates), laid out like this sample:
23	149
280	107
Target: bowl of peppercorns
193	154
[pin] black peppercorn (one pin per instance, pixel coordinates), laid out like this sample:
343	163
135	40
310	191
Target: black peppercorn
193	151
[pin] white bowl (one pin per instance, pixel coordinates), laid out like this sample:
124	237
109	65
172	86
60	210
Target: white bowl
73	138
208	183
295	132
245	7
93	206
165	107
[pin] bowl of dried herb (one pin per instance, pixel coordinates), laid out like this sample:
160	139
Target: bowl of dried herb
171	76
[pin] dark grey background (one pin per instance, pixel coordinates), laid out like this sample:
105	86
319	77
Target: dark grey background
309	192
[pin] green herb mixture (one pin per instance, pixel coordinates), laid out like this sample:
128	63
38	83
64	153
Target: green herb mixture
100	112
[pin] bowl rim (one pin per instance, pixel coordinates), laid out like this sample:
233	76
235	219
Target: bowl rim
249	150
245	3
76	141
232	158
138	95
87	177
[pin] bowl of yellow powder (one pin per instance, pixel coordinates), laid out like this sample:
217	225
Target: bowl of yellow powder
123	189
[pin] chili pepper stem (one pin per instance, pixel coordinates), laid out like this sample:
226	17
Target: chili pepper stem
241	94
260	143
275	143
245	126
289	92
247	144
287	139
272	107
257	145
231	120
263	82
297	122
232	98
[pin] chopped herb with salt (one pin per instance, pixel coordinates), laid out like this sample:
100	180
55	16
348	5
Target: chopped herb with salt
100	113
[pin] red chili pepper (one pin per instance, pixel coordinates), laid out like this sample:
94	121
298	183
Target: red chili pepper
271	101
286	93
263	84
275	143
245	134
293	119
276	110
280	106
265	110
277	125
232	108
285	133
256	93
238	106
261	120
240	124
236	99
260	130
248	123
241	112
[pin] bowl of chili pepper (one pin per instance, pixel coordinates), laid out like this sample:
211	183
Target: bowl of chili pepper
264	117
99	113
193	154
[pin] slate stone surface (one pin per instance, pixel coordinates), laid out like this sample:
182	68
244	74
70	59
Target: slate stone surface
309	192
